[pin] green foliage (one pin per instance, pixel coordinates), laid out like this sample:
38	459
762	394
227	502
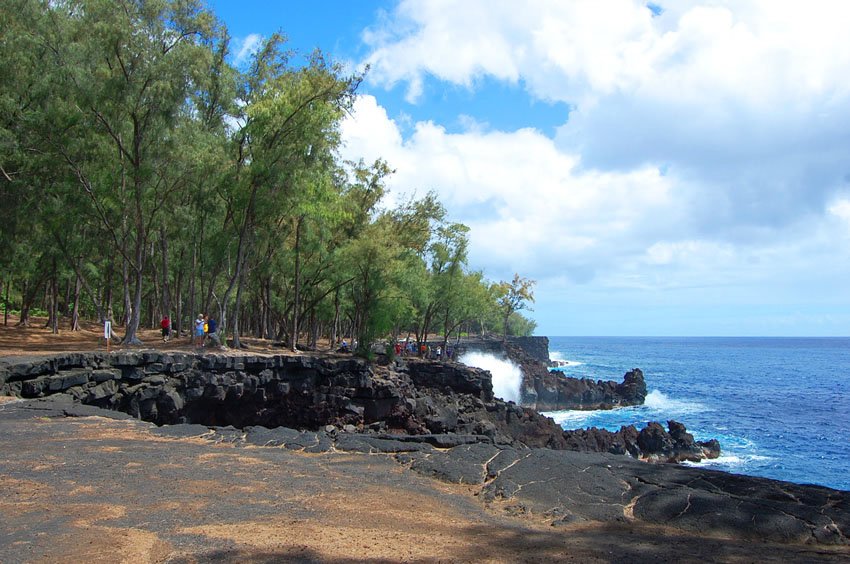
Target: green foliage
521	326
514	296
137	162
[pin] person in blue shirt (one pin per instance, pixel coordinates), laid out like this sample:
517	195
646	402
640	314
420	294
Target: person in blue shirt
212	332
198	334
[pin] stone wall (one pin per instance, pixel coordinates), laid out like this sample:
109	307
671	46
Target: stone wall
210	389
413	397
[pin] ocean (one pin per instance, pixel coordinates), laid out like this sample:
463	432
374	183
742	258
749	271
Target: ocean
780	407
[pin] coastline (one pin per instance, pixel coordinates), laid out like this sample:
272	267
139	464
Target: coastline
773	403
583	505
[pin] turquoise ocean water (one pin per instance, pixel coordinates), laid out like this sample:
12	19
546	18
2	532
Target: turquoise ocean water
780	407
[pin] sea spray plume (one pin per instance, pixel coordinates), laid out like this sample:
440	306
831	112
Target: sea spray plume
661	405
507	376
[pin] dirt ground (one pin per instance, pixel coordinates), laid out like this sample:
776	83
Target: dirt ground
38	339
93	489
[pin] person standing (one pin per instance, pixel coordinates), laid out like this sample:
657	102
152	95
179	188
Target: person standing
212	332
165	325
199	330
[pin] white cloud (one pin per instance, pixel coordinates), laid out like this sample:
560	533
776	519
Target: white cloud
753	51
527	201
744	105
246	47
534	209
744	98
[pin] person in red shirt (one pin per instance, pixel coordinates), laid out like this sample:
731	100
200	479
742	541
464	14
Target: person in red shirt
165	324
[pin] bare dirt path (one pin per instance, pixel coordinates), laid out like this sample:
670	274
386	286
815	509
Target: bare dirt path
96	489
38	339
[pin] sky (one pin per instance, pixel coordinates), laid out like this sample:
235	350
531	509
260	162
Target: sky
667	168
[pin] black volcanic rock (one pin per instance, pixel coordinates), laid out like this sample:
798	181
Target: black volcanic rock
552	391
652	443
546	390
417	397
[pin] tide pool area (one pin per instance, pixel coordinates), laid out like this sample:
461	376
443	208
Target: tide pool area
780	407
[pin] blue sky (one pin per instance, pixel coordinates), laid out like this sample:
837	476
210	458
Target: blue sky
673	168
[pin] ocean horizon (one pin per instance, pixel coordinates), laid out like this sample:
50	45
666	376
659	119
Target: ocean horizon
778	405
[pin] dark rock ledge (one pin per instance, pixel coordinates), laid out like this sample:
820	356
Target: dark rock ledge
416	397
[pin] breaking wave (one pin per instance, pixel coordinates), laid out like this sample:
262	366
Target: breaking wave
667	406
507	376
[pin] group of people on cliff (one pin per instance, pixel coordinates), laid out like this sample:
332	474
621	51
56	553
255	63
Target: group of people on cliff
204	331
409	348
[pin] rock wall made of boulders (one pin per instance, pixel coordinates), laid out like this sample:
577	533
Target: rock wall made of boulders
168	388
416	397
412	397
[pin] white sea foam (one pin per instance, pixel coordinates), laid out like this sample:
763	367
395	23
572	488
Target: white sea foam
507	376
574	418
658	401
730	461
558	357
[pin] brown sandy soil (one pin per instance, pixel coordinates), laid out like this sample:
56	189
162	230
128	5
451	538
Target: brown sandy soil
99	490
38	339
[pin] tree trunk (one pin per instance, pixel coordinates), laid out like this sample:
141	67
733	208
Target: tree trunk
54	306
47	303
6	302
446	331
268	328
128	306
297	293
237	308
314	330
154	301
130	337
107	298
238	278
64	309
24	319
166	292
178	296
192	276
335	330
75	314
27	299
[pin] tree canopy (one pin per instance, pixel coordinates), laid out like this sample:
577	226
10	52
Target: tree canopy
142	175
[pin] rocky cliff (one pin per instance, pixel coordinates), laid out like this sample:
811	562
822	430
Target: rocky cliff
415	398
546	390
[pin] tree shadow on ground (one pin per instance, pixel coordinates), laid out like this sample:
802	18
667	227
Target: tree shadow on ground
593	542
